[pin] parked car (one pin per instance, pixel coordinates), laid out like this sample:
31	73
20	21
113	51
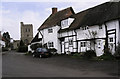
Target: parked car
41	52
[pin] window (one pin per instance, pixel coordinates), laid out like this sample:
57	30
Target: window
70	42
50	30
83	44
100	27
64	23
111	39
85	28
50	44
27	35
27	30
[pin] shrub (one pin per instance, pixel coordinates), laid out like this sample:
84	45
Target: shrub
89	54
22	49
52	50
117	53
107	55
4	49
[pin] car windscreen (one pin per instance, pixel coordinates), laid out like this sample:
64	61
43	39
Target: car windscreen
39	49
44	50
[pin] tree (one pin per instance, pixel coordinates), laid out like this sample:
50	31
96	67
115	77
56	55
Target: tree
6	36
21	43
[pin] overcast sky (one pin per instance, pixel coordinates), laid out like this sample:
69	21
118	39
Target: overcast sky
35	12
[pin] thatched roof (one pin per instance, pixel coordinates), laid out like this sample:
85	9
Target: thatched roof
96	15
54	19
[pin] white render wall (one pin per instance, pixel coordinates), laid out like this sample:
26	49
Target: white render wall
86	34
51	37
113	25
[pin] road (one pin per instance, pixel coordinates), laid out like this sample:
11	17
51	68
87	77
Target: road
19	65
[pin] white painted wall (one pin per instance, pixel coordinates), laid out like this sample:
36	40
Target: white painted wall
86	34
113	25
51	37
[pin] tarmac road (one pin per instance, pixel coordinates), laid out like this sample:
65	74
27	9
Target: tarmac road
16	64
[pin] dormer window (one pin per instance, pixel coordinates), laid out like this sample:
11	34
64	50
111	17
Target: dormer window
64	23
50	30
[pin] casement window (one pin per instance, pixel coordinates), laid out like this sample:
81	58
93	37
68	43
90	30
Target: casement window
70	42
111	39
83	44
50	30
51	44
100	27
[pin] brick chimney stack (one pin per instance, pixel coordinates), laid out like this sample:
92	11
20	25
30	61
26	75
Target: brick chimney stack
54	10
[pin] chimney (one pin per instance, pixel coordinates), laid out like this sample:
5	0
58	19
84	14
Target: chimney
54	10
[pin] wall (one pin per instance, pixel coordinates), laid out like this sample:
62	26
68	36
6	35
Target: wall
69	35
84	35
113	25
51	37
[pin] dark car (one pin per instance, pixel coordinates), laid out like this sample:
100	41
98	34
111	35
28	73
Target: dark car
41	52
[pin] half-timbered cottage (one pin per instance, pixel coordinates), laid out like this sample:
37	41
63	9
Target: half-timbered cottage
92	29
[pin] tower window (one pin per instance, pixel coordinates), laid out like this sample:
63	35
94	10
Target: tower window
27	30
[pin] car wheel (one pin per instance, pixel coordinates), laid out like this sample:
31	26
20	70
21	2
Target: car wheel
40	56
33	55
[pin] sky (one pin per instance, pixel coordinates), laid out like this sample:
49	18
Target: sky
12	12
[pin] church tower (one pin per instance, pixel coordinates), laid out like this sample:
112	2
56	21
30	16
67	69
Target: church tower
26	33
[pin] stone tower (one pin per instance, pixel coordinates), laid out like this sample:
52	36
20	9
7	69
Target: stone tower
26	33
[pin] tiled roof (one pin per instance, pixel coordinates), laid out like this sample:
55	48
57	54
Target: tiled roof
54	19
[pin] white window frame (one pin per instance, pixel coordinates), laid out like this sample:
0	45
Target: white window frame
111	40
51	44
50	30
83	44
70	41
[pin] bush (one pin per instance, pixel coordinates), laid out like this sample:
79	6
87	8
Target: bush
89	54
22	49
117	53
52	50
4	49
106	56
